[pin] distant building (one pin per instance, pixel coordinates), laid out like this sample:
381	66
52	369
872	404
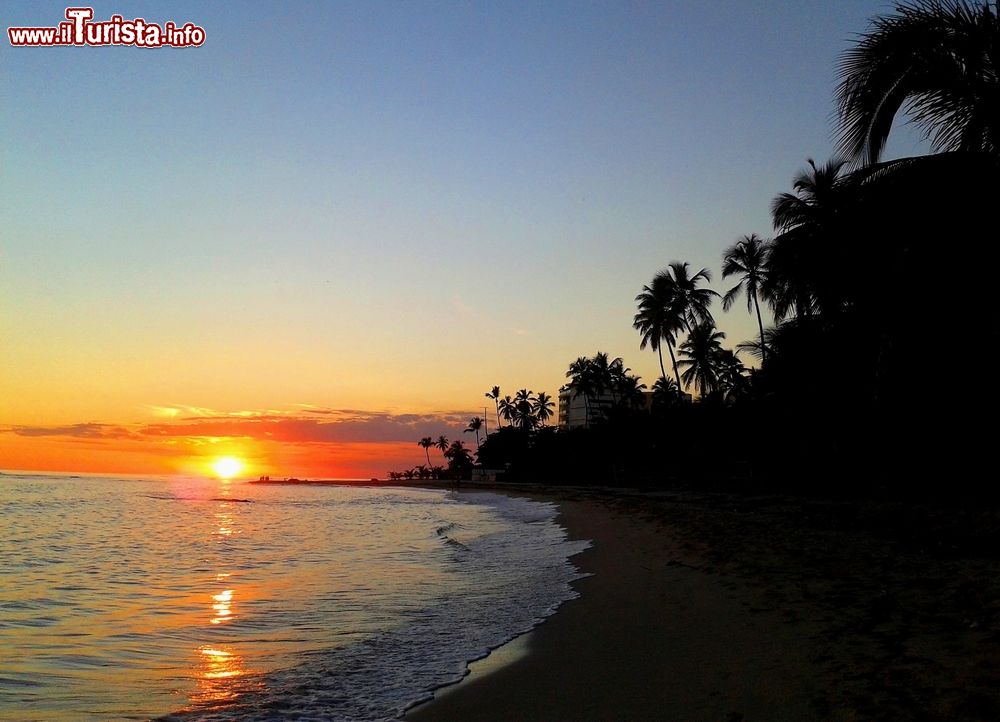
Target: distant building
574	411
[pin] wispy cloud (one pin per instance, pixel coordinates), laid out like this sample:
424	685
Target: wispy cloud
183	411
311	424
89	430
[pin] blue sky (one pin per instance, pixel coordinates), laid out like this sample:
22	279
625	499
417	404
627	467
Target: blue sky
384	205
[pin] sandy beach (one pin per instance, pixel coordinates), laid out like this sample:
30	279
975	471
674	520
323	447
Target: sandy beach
715	607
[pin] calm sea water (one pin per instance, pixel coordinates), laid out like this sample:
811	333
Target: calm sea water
194	599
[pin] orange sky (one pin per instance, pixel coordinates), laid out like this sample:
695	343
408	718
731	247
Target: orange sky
329	249
313	443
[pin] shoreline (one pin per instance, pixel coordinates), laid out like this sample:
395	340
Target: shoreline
633	644
721	607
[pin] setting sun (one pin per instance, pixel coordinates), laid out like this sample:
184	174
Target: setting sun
227	467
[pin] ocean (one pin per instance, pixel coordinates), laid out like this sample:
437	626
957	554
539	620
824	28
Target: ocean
194	599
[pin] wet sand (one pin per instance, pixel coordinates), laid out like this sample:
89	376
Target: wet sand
710	607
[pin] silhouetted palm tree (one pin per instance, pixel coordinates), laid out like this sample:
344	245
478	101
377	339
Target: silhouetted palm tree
691	304
426	442
508	409
673	302
543	407
617	380
938	58
654	322
666	392
802	276
494	394
756	347
524	417
581	382
474	426
459	458
747	259
442	443
630	390
701	351
731	375
524	395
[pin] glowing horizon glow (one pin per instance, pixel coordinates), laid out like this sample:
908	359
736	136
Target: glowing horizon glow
227	467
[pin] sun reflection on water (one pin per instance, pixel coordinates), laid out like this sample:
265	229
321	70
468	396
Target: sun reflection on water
223	606
222	677
222	674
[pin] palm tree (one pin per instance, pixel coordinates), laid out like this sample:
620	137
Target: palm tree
672	303
747	259
494	394
524	395
475	425
802	271
691	303
666	392
508	409
543	407
459	457
520	409
652	320
442	443
581	382
731	375
701	352
939	59
524	415
426	442
630	390
756	348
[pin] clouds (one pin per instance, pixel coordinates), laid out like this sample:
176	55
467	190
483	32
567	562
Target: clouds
89	430
309	425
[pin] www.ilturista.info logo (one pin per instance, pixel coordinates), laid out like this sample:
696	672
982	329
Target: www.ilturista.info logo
80	30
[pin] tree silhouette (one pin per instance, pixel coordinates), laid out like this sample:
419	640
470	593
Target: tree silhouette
581	382
426	442
802	277
442	443
672	303
508	409
459	459
937	58
666	393
701	352
475	424
747	260
494	394
653	322
543	407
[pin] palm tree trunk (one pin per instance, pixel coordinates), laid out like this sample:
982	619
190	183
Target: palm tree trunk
497	402
663	371
673	361
477	438
428	455
760	325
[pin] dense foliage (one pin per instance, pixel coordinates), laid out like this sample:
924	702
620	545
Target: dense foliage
871	372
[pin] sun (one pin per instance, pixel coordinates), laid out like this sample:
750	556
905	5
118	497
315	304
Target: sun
227	467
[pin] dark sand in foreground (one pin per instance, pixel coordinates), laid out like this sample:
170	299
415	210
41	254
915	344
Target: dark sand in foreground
728	608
